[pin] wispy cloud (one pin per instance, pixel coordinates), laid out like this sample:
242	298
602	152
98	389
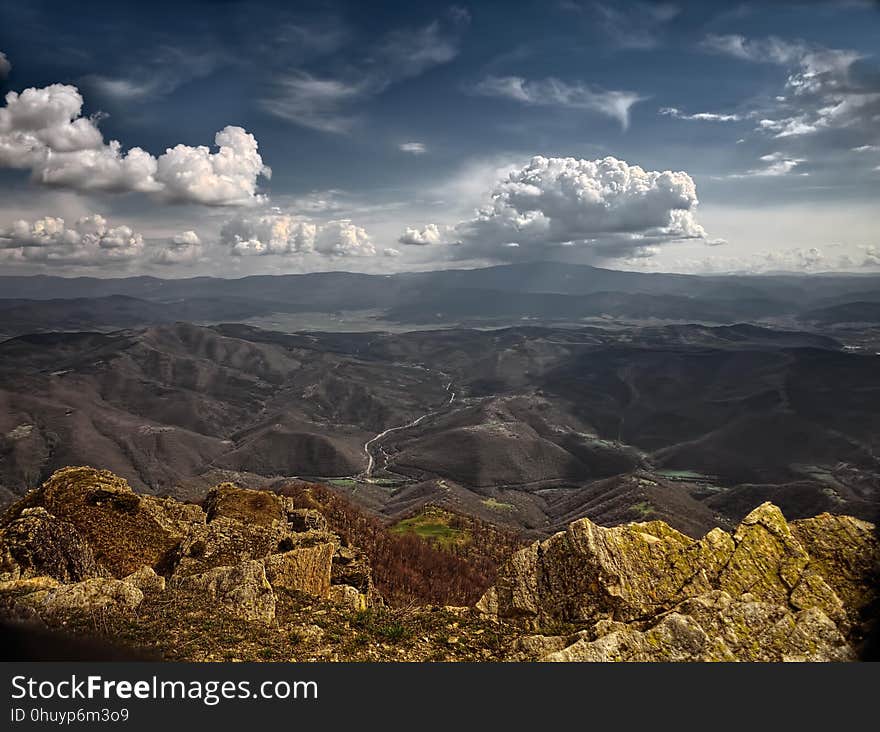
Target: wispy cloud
776	164
414	148
699	116
830	102
328	102
557	93
636	25
162	73
5	66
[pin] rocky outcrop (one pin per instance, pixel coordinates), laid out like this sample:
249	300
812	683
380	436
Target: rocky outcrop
123	529
646	592
86	540
251	569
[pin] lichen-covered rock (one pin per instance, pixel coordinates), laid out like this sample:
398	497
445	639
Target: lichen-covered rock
349	597
846	553
306	569
146	580
124	530
638	571
226	541
306	519
767	560
91	596
242	590
770	591
675	638
255	508
351	567
714	627
37	543
589	572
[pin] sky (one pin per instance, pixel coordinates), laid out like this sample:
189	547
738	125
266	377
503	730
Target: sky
232	138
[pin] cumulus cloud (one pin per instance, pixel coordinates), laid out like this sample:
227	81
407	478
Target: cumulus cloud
279	233
90	240
5	66
699	116
183	248
430	234
415	148
872	256
557	93
606	208
328	103
43	130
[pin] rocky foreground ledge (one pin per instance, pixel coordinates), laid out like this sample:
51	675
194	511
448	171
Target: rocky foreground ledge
247	575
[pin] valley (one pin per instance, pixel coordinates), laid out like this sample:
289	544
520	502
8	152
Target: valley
528	427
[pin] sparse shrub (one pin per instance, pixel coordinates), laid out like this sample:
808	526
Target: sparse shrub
408	569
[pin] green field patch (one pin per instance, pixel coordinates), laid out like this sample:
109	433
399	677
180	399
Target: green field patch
497	505
342	482
643	509
433	525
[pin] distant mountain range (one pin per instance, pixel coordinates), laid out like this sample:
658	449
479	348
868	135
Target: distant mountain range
541	292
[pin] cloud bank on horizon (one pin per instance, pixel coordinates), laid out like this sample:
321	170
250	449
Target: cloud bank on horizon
432	141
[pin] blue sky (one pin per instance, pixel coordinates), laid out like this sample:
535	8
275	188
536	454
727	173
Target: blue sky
664	136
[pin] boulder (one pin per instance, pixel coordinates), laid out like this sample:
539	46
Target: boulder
38	543
306	569
715	627
349	597
306	519
91	596
846	553
146	580
226	541
255	508
638	571
242	590
125	531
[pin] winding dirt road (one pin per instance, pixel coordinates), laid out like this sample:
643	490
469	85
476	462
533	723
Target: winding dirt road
368	445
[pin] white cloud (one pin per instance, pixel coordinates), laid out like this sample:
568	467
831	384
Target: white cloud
89	241
777	164
554	92
415	148
826	89
391	252
866	148
328	104
801	260
317	103
160	73
43	130
279	233
227	177
699	116
430	234
606	208
183	248
5	66
638	26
